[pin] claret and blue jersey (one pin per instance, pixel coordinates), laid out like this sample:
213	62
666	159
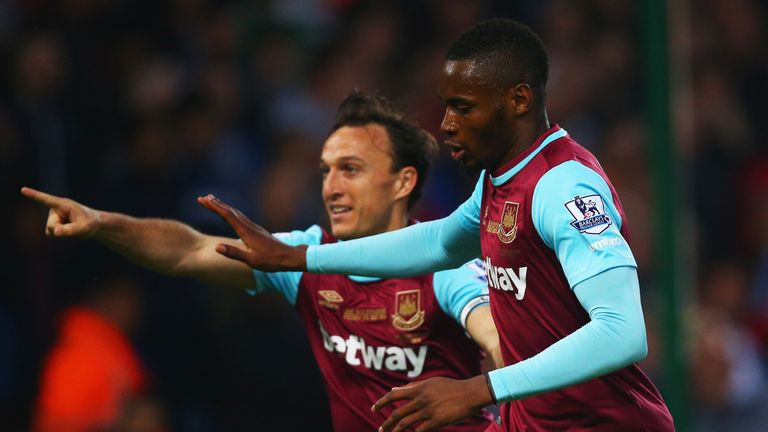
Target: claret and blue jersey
565	299
549	220
369	335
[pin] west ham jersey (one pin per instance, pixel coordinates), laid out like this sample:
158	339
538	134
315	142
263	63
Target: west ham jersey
548	220
369	335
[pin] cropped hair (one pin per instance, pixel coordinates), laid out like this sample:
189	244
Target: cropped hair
410	144
511	50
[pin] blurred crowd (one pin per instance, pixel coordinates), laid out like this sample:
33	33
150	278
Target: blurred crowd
140	106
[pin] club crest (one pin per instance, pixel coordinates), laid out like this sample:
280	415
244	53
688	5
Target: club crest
330	299
506	230
589	214
408	314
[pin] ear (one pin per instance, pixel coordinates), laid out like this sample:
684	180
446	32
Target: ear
406	181
520	99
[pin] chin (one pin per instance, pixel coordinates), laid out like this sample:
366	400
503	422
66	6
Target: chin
470	168
342	233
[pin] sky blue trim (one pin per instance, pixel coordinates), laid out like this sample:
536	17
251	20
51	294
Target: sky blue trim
500	180
286	283
364	279
456	288
614	338
581	255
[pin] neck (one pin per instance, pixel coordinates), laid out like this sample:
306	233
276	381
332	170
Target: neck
399	220
525	136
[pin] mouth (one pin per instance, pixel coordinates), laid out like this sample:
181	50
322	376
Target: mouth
457	150
337	211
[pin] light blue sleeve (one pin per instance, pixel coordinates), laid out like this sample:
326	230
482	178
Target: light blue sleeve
418	249
574	213
286	283
470	209
459	291
614	338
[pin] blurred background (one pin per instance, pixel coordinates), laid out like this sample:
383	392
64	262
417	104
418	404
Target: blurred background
140	106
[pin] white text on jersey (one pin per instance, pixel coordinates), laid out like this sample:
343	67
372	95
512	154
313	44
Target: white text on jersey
506	279
392	358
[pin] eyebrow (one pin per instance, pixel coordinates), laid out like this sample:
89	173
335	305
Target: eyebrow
345	159
453	100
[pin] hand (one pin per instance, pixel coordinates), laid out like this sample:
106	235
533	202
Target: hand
434	402
67	218
264	252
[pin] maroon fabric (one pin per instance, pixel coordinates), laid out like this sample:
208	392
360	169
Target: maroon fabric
371	313
546	311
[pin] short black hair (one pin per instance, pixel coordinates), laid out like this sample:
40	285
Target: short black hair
513	51
410	144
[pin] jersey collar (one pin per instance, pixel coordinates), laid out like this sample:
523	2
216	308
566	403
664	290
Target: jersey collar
508	170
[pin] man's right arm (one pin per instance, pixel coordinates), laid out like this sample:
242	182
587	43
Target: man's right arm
162	245
418	249
421	248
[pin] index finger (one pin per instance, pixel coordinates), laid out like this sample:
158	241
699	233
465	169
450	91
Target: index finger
41	197
232	216
396	394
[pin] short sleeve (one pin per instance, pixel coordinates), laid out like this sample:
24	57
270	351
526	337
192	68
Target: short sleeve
574	213
461	290
469	211
286	283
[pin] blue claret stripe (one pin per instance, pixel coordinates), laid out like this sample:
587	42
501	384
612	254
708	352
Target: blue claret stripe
500	180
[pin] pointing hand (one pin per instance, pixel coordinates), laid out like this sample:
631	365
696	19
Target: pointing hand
66	218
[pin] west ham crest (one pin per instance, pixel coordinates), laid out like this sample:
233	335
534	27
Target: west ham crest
507	228
408	314
589	214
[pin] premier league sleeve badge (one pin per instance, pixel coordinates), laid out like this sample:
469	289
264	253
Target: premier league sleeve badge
589	214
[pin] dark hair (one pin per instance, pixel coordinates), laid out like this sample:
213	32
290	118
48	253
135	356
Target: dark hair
511	49
410	144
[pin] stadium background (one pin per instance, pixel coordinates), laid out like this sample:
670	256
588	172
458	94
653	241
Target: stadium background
140	106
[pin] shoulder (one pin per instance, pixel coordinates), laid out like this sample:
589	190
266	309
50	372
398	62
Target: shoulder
567	149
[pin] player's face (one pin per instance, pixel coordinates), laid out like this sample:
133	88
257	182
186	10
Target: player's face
359	185
474	122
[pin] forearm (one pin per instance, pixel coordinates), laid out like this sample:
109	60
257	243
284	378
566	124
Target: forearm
418	249
480	326
614	338
161	245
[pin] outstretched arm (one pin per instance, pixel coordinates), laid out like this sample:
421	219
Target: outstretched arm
418	249
162	245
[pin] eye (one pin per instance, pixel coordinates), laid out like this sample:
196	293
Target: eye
350	169
324	170
463	108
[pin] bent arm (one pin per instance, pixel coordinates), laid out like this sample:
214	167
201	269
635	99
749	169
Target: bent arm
418	249
482	329
614	338
173	248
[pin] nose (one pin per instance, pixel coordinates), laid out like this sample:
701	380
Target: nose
332	185
449	126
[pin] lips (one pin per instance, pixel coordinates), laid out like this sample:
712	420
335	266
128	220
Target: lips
457	150
339	209
338	212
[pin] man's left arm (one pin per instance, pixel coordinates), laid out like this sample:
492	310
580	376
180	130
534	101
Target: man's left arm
599	267
483	331
614	338
463	294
